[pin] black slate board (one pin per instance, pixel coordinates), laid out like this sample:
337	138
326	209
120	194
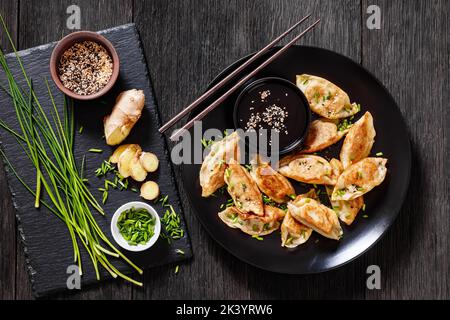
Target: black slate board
48	247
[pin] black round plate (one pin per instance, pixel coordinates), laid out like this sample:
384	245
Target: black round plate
382	204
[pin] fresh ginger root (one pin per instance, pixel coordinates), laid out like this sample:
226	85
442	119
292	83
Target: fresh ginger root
125	114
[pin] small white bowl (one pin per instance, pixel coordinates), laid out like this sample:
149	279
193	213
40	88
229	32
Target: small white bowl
119	238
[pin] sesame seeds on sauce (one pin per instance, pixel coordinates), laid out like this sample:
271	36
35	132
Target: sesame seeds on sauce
273	116
274	107
264	94
85	68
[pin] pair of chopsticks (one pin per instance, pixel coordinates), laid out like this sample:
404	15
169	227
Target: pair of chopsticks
196	103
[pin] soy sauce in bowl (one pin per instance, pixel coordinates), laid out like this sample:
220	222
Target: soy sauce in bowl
274	104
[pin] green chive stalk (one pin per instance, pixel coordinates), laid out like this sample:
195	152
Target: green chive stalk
47	139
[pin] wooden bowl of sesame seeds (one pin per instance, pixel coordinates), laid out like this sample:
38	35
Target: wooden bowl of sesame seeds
84	65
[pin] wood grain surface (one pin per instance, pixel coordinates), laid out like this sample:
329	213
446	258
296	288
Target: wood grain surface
188	42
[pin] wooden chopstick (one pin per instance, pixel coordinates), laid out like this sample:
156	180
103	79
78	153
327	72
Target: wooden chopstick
216	103
208	93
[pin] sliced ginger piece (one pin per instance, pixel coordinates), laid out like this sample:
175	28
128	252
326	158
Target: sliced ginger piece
150	190
149	161
116	154
125	159
138	172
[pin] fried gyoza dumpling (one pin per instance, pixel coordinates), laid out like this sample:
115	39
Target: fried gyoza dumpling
336	168
307	169
214	165
294	233
359	141
359	179
270	182
243	190
325	98
311	194
346	210
272	212
322	134
317	217
251	224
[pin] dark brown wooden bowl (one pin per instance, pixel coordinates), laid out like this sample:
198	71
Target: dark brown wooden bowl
65	43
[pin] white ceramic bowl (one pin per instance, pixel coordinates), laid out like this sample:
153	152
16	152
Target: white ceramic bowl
119	238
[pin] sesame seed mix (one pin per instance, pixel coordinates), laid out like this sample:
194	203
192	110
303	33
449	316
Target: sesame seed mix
264	95
85	68
273	116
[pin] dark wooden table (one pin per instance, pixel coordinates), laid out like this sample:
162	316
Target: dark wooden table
187	43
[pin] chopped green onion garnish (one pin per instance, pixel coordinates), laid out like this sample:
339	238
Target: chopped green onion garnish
344	124
96	150
136	226
180	252
206	143
105	196
316	97
171	221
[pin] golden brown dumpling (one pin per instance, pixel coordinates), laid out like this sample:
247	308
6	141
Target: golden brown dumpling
359	179
336	168
251	224
308	169
346	210
272	212
359	141
294	233
270	182
312	194
325	98
322	134
243	190
213	167
317	217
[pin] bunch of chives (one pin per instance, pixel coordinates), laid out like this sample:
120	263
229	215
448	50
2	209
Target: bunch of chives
47	140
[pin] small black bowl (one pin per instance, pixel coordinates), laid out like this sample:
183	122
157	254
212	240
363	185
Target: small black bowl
281	94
